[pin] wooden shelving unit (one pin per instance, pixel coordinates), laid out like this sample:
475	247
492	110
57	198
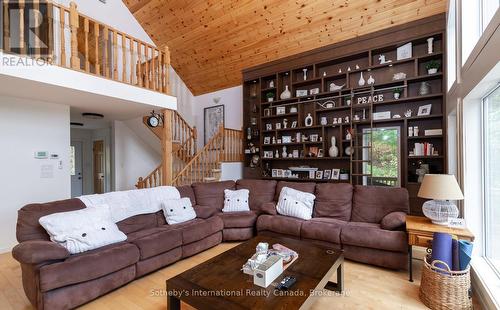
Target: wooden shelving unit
262	116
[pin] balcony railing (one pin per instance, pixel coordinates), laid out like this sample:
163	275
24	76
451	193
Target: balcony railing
81	43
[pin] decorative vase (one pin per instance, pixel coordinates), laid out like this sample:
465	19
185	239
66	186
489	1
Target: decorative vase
284	154
425	89
271	84
305	74
309	120
324	121
430	47
371	80
361	81
334	150
396	95
348	136
286	94
432	71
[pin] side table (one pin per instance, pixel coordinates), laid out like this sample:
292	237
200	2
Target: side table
420	231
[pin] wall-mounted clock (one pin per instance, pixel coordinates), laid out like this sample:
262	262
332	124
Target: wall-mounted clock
153	121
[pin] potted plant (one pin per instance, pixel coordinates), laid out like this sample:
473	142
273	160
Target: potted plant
344	174
347	100
432	66
397	92
270	97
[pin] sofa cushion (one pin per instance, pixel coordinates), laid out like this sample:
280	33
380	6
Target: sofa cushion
28	227
324	229
307	187
280	224
159	242
143	233
187	191
83	230
295	203
137	223
242	219
372	203
198	229
394	221
370	235
236	201
87	266
333	200
212	194
178	210
261	191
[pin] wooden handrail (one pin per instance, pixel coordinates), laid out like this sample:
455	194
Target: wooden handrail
87	45
154	179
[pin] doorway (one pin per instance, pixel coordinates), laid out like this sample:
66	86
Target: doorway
76	161
99	166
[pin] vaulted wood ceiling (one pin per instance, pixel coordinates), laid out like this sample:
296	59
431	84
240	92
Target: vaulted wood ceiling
211	41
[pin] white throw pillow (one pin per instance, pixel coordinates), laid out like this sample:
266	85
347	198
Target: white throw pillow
236	201
82	230
178	211
295	203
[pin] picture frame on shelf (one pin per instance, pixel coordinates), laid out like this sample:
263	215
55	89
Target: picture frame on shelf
274	173
294	124
279	173
287	173
335	174
319	175
301	92
277	125
269	126
314	91
295	153
321	153
312	174
424	110
313	151
280	110
327	174
268	154
267	140
267	112
404	51
314	138
286	139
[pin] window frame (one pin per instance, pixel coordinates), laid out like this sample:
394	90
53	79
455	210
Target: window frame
485	173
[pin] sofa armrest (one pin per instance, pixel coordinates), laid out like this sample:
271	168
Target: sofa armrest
268	208
205	212
38	251
394	221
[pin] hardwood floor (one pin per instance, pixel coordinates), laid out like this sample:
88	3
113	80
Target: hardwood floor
367	287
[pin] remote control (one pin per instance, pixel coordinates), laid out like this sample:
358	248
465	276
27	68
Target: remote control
286	283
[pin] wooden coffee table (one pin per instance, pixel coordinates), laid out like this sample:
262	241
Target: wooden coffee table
219	283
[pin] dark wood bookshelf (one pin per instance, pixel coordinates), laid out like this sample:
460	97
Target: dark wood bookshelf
323	67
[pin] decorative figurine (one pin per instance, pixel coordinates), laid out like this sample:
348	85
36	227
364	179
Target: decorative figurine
285	123
340	70
284	154
324	121
346	119
357	67
335	87
430	47
348	69
361	81
277	154
271	84
348	135
324	73
334	150
382	60
408	113
371	80
305	73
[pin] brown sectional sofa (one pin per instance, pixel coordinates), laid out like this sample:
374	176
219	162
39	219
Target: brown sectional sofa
366	222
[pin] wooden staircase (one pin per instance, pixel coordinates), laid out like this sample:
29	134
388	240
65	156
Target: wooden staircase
205	165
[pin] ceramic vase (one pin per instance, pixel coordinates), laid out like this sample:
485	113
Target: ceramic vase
425	89
430	47
286	94
396	95
324	121
361	81
309	120
370	80
334	150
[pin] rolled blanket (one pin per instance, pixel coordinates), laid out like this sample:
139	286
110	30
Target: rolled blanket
455	258
442	250
465	253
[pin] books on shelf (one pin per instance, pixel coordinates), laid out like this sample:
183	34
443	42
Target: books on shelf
433	132
424	149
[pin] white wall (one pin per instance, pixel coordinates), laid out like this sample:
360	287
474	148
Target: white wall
231	171
231	98
27	126
133	157
185	99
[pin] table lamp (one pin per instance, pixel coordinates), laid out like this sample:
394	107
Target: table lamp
441	188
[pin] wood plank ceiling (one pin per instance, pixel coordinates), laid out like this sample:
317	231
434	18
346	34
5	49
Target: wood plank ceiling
211	41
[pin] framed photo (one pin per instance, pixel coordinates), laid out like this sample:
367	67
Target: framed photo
286	139
404	52
321	153
267	140
314	151
424	110
267	112
314	91
301	92
319	175
279	173
277	125
274	173
327	174
269	126
280	110
213	117
287	173
314	138
295	153
335	174
268	154
294	124
312	174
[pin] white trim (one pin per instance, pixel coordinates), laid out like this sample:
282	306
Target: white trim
485	283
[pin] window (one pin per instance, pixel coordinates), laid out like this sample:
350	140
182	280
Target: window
489	9
385	165
491	104
451	44
471	26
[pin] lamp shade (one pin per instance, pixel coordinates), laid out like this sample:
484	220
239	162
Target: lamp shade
440	187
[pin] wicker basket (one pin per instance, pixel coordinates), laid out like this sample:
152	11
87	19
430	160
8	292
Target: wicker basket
444	288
